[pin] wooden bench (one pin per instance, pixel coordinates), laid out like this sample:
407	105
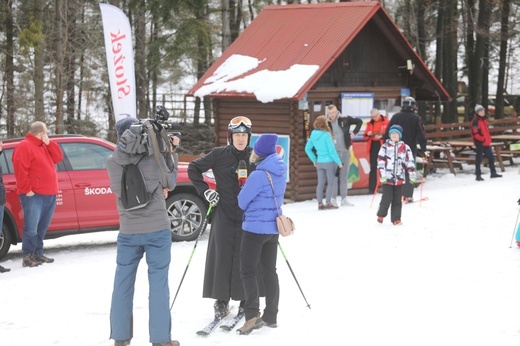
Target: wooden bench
450	131
441	134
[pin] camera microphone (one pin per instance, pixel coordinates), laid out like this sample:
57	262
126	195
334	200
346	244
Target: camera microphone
242	173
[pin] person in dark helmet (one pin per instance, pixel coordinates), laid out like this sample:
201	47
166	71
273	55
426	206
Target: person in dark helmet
222	272
412	134
482	140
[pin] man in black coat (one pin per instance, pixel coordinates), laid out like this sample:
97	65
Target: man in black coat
222	274
413	134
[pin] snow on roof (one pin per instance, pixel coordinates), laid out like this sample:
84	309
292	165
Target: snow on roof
265	84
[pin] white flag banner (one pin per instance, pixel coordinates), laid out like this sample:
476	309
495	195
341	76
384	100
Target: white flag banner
120	61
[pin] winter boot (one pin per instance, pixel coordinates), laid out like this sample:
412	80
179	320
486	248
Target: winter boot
479	178
30	261
4	270
329	206
121	342
250	325
167	343
496	175
221	308
43	259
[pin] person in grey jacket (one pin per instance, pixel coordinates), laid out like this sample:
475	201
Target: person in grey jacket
142	231
342	137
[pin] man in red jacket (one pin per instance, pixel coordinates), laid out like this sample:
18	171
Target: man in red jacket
34	160
482	140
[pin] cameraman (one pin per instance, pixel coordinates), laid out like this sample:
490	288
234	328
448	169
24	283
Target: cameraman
145	230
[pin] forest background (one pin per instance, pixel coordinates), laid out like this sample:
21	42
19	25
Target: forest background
53	58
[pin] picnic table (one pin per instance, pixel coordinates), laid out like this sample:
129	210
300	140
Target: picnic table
465	150
441	157
511	146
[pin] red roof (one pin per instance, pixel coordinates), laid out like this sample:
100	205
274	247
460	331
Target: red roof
312	34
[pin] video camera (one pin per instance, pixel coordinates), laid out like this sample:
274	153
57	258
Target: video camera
139	138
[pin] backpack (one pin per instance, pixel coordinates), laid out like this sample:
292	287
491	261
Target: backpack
133	188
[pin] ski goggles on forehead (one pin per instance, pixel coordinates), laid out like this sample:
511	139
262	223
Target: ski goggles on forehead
237	121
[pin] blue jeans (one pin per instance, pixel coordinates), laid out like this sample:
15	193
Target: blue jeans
130	250
37	215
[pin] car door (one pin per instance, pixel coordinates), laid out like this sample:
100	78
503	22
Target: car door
64	217
95	202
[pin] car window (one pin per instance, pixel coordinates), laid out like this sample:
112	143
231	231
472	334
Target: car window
5	161
85	156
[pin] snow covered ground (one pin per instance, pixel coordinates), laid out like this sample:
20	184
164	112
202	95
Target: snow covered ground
448	276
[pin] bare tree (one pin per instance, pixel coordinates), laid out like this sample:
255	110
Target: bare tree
9	66
39	50
505	10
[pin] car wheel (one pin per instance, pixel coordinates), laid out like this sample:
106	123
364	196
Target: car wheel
5	241
187	213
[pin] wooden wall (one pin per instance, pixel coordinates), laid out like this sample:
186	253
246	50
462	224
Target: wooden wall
280	117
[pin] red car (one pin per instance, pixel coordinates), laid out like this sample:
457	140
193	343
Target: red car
85	202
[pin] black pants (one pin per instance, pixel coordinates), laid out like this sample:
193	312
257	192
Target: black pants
263	249
481	149
373	176
391	195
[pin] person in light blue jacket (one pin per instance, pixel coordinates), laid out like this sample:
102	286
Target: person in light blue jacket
260	237
326	160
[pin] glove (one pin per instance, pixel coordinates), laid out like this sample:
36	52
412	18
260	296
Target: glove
383	180
212	197
518	201
412	180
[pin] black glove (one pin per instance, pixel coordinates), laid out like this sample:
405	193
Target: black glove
337	171
518	201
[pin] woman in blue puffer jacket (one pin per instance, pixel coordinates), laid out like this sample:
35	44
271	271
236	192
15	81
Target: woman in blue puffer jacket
260	237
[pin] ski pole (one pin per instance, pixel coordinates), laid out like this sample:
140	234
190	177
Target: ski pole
514	229
422	184
294	276
375	193
192	252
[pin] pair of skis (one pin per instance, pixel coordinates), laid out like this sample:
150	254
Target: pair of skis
228	324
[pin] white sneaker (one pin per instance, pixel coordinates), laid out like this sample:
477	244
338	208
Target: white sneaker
346	203
334	203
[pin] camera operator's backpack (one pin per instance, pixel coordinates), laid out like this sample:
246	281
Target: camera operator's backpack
133	187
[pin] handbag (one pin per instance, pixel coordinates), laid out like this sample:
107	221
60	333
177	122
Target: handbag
284	224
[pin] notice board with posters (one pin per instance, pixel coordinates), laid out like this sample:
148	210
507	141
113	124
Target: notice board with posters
358	105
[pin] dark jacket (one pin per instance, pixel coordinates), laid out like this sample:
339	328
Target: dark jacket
413	130
222	274
257	199
480	130
345	122
153	217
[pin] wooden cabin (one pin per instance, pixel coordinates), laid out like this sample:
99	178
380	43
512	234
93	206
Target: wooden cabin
355	48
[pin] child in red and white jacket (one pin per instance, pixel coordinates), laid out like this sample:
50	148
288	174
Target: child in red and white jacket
394	158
